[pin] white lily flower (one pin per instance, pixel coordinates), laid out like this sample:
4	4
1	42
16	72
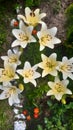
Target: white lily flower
12	58
49	65
11	92
58	88
47	37
8	73
66	67
29	73
23	35
32	17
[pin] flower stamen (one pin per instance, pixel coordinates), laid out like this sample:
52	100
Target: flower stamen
59	87
45	38
28	73
8	73
13	59
10	92
23	37
66	67
32	14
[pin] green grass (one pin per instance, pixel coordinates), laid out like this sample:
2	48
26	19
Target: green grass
6	116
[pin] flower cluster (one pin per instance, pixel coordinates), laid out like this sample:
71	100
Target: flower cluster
45	38
36	113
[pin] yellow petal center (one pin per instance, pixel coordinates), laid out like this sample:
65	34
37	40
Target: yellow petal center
58	88
13	59
28	74
66	67
50	64
33	19
23	37
45	39
8	73
11	91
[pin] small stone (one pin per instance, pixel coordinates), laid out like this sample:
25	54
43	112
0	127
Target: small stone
19	125
15	111
20	116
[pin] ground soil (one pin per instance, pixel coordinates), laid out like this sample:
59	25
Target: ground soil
56	18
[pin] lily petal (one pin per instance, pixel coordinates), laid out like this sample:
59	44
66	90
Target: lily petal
36	75
37	12
51	84
68	91
27	65
4	95
49	93
17	32
52	31
33	82
27	12
41	47
56	40
58	96
42	15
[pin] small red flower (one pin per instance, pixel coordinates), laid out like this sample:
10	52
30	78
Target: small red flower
36	116
28	117
34	32
36	110
16	23
25	112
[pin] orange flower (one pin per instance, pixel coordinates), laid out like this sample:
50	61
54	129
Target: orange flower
36	116
36	110
34	32
25	112
16	23
28	117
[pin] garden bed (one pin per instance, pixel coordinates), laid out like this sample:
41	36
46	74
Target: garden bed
53	115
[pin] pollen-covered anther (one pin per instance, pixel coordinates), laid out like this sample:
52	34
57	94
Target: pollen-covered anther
66	67
23	37
32	14
28	73
59	87
13	59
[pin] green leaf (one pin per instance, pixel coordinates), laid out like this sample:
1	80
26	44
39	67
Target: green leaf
40	127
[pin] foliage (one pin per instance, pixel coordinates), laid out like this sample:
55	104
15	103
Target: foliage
31	3
69	15
4	115
2	29
56	6
58	117
5	25
69	30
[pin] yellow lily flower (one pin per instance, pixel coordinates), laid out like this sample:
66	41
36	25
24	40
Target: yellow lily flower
23	35
29	73
8	73
12	58
49	65
66	67
47	37
58	88
32	17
